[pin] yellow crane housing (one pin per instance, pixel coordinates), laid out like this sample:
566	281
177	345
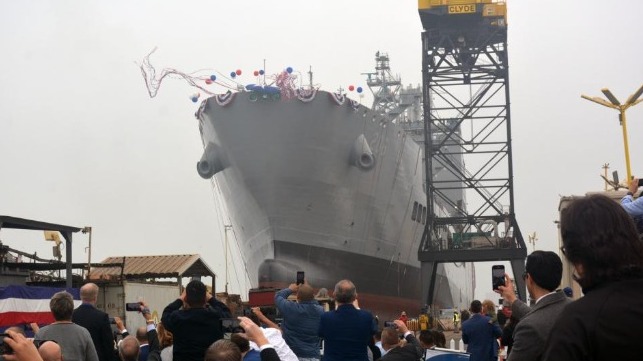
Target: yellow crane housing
490	12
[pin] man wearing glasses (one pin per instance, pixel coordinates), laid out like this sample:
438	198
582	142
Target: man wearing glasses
544	270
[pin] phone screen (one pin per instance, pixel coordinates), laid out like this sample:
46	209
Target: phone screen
132	306
300	277
498	276
230	325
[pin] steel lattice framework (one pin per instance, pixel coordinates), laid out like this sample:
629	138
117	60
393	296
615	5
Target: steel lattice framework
467	125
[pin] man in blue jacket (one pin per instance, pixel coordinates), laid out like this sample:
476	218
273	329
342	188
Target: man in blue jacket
347	330
479	333
634	207
301	320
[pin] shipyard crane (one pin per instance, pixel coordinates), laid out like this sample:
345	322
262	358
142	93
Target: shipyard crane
467	120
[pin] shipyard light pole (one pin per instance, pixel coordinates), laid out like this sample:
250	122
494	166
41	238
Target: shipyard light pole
616	104
467	122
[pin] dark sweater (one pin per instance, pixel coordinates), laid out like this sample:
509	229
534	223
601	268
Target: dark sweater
605	324
194	329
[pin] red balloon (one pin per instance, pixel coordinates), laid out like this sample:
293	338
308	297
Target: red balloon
256	72
208	81
351	87
238	71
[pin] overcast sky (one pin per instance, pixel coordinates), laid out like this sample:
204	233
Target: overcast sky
81	142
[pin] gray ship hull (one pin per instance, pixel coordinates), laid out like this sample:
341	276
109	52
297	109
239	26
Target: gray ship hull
326	187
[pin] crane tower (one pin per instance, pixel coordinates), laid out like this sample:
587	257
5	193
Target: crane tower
467	128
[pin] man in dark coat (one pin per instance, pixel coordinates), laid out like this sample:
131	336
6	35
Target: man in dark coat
479	333
95	321
544	270
347	330
412	351
197	325
602	243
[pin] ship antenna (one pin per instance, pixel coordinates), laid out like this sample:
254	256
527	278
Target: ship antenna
310	76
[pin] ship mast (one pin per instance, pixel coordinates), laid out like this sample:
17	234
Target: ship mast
387	98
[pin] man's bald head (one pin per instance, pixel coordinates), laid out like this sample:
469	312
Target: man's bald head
345	292
50	351
128	349
223	350
305	293
89	293
141	335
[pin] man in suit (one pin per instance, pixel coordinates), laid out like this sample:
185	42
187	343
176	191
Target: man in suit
144	348
347	330
130	348
479	333
543	273
95	321
412	351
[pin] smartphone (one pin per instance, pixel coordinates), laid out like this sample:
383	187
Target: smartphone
112	320
300	277
641	182
231	325
497	276
4	348
132	306
390	324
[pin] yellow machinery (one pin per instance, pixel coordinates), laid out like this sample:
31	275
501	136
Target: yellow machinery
489	12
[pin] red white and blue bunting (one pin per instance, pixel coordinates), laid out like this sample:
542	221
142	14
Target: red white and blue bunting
224	99
339	99
306	95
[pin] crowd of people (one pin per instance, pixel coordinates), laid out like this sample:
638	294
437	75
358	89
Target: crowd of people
599	239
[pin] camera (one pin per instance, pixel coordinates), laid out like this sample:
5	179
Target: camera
390	324
132	306
231	325
4	348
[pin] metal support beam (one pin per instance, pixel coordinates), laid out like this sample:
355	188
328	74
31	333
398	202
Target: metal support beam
467	120
68	258
428	275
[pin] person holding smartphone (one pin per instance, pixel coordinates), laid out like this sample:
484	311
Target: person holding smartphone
634	207
301	319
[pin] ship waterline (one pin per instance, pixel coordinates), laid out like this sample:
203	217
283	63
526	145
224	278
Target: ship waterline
326	186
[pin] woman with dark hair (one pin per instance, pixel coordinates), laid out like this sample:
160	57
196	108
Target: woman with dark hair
602	243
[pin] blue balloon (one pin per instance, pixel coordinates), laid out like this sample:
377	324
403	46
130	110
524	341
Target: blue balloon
195	99
233	74
213	77
261	72
289	70
359	89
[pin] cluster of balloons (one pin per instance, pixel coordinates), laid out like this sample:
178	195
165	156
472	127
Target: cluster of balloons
258	72
233	74
352	87
211	79
195	97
